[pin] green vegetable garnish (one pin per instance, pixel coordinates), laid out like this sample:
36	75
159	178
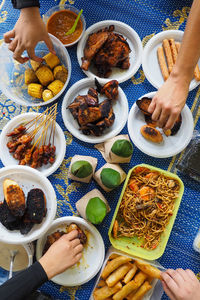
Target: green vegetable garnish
96	210
81	169
110	178
122	148
75	24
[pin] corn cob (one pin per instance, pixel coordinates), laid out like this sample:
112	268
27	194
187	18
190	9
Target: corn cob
47	95
56	86
29	76
60	73
35	90
35	65
51	60
45	75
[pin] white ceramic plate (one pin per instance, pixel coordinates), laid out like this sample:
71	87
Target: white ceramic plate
59	141
150	63
92	257
120	108
171	145
135	55
28	179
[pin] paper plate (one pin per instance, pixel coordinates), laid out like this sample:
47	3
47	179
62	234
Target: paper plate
28	179
135	55
120	108
59	141
92	257
171	145
150	63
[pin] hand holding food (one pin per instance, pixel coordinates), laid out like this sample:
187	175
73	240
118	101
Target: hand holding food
28	31
181	284
62	254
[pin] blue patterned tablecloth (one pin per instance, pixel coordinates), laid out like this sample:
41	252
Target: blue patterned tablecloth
147	17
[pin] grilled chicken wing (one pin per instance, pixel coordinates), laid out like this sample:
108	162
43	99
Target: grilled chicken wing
52	238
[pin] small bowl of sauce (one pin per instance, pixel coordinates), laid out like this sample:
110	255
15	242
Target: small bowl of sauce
59	19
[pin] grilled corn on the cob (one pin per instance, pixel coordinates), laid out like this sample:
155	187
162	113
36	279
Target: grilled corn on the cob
29	76
35	65
35	90
51	60
56	86
60	73
45	75
47	95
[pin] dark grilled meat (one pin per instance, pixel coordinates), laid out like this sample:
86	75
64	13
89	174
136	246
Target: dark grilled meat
110	89
92	97
143	105
7	218
88	114
25	225
52	238
36	205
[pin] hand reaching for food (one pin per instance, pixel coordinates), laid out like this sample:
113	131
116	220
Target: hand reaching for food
62	254
181	284
169	101
28	31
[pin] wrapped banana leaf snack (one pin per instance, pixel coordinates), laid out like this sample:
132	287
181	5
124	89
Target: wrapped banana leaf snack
82	168
116	150
93	207
110	176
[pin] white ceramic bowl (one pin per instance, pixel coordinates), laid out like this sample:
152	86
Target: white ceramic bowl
28	179
12	73
59	141
150	63
92	257
56	8
171	145
120	108
135	55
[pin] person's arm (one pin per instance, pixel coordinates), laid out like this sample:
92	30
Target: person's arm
63	254
171	97
28	31
181	284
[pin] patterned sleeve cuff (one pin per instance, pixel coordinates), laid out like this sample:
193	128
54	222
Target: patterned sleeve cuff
25	3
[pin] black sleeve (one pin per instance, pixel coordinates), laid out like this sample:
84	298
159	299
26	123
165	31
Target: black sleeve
23	283
25	3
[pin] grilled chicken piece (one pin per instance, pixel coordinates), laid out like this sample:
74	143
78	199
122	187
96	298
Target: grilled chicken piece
74	106
14	197
81	235
94	42
92	97
36	205
110	89
112	54
151	134
7	218
88	114
52	238
143	105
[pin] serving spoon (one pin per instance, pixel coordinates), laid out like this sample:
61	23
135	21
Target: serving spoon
13	253
70	31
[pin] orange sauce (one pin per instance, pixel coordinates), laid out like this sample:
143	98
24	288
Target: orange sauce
60	22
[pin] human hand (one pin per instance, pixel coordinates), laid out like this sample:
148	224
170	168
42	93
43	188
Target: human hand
63	254
168	102
28	31
181	284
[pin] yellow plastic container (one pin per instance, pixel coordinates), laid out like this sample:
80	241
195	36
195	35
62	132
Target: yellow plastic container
132	245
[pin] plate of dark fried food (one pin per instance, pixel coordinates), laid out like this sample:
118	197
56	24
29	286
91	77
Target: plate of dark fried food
92	255
93	112
110	50
35	140
155	141
28	204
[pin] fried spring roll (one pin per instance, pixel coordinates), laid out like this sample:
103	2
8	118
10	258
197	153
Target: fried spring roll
168	54
140	292
105	292
173	49
118	274
148	269
130	274
114	264
162	63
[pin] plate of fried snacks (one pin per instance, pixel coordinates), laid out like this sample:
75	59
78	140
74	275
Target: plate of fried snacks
146	211
127	277
110	50
159	56
33	83
35	140
93	112
155	141
28	204
92	255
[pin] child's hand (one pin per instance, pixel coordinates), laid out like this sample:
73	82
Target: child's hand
63	254
181	284
28	31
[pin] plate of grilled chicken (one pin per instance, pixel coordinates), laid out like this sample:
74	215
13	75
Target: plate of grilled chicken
92	255
28	204
110	50
95	112
155	141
